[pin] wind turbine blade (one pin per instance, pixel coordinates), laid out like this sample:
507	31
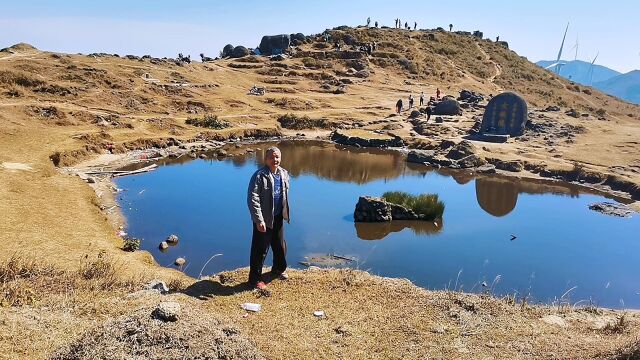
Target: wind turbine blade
561	47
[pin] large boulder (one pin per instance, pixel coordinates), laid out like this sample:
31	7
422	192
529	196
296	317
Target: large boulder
240	51
447	106
274	44
227	50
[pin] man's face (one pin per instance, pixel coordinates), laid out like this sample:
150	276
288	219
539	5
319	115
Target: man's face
273	160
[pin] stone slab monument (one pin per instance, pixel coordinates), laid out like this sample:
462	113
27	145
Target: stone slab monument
506	115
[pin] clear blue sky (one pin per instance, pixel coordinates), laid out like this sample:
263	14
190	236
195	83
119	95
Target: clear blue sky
164	28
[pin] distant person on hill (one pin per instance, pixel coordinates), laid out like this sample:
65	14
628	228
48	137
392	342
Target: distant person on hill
415	25
399	106
368	21
376	24
406	26
268	200
422	98
438	93
429	111
497	38
450	27
410	101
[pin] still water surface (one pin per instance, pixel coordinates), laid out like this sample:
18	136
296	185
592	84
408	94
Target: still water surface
560	244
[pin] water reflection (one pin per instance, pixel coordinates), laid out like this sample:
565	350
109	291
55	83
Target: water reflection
378	231
338	163
496	196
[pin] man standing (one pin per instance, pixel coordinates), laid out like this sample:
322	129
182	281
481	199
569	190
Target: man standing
399	106
268	200
410	101
422	98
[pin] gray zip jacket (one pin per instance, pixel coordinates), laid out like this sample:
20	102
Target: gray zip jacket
260	196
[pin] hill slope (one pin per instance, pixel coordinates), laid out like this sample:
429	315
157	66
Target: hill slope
625	86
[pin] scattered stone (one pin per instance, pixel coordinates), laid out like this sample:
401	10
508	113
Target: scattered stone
486	169
507	165
203	156
470	161
167	311
612	209
221	153
461	150
553	108
240	51
439	329
554	320
179	261
158	285
573	113
163	245
420	156
415	114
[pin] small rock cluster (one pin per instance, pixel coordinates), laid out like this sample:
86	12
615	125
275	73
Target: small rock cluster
462	155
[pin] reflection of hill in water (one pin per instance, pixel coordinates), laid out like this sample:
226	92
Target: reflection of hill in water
498	196
338	163
377	231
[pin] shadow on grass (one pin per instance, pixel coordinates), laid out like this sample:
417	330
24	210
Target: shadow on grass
209	288
206	289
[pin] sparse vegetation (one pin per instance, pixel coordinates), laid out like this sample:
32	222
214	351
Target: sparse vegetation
208	121
424	204
20	79
295	122
131	244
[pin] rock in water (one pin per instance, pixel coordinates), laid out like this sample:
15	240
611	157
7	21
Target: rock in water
163	245
371	209
172	239
612	209
180	261
167	311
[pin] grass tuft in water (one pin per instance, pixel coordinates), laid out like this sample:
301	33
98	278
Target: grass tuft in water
424	204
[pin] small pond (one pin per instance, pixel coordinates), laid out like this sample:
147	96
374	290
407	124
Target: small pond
560	247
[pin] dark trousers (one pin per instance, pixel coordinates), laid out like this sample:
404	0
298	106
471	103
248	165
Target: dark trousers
260	246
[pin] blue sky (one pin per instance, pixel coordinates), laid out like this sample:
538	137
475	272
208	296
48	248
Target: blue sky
164	28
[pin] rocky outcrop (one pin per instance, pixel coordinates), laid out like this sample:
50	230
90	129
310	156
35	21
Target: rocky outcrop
373	209
227	50
346	139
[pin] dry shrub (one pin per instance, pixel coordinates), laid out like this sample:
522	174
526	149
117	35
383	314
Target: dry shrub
23	280
208	121
295	122
290	103
19	79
